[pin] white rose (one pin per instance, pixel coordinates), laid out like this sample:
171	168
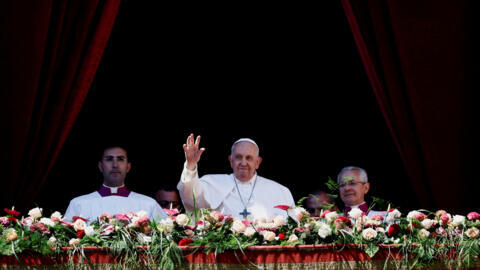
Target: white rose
268	235
279	221
423	234
297	212
267	225
144	238
428	223
238	226
249	231
355	213
369	233
47	222
324	230
331	216
292	238
165	225
394	214
380	230
189	233
142	213
52	242
458	220
89	230
79	225
35	213
56	214
182	219
74	242
472	232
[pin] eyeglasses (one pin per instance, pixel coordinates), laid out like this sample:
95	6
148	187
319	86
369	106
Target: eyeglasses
351	184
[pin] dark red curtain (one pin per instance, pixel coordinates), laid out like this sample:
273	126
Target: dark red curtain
416	57
50	52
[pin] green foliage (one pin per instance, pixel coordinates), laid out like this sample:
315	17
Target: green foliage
422	240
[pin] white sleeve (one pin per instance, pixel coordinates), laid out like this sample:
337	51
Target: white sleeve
71	211
190	185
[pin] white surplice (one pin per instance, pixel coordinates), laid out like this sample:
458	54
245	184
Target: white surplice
219	192
91	206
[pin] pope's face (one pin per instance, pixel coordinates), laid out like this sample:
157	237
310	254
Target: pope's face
352	190
114	166
244	160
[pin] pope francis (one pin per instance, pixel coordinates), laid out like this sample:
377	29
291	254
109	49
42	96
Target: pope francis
243	193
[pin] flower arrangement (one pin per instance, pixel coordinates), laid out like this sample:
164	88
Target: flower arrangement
422	235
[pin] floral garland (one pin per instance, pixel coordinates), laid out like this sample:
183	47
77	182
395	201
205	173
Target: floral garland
422	235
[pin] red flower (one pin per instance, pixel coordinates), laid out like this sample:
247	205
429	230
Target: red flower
12	219
12	212
77	217
185	241
393	230
80	234
281	236
283	207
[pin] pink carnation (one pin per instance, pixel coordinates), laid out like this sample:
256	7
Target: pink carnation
246	222
473	216
376	217
4	221
171	212
122	217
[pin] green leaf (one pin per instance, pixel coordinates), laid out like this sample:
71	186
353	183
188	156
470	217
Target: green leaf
371	250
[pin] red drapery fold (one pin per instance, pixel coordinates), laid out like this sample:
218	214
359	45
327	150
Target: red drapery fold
414	56
50	52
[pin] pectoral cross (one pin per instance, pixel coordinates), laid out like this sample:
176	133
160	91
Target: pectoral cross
245	213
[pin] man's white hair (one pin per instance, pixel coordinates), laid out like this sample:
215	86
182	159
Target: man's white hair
363	173
245	140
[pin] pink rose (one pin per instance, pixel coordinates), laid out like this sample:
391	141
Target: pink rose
416	215
217	216
445	219
440	213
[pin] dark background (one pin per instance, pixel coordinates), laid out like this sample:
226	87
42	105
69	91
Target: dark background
287	76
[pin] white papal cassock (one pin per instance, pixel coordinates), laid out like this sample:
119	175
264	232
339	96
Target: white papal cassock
91	206
219	192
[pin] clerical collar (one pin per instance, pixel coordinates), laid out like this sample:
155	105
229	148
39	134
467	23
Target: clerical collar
249	182
363	206
114	191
